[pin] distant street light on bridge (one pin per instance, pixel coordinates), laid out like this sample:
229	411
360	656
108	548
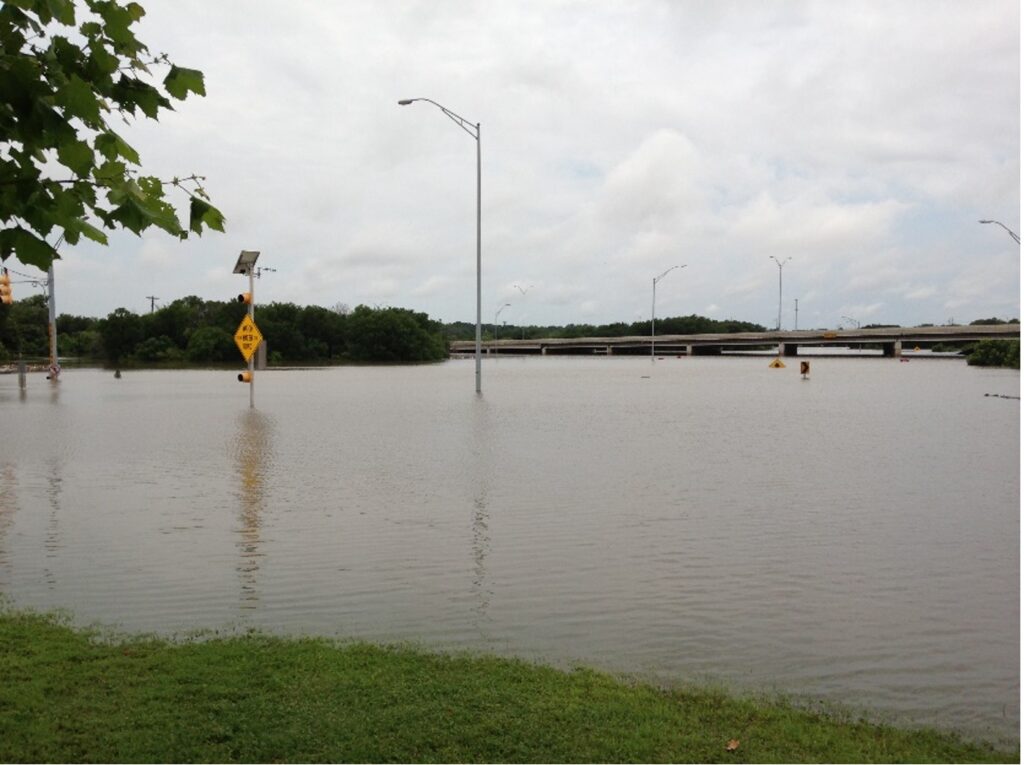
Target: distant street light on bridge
654	288
496	315
780	264
1008	231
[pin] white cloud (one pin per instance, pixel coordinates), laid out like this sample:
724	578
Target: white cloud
864	140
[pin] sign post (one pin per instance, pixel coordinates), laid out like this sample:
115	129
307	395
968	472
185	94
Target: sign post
248	337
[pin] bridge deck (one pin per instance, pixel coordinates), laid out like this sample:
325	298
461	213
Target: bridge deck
891	339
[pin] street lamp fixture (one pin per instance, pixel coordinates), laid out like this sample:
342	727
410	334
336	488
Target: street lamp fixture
1008	231
474	132
654	288
780	264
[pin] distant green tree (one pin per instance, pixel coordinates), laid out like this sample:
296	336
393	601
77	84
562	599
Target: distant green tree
393	334
211	345
160	348
87	344
324	332
121	332
68	324
175	321
23	327
64	171
995	352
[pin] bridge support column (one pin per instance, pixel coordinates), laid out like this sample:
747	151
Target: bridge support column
689	350
608	350
892	350
543	350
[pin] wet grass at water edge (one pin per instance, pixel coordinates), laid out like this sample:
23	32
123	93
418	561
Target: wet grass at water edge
71	695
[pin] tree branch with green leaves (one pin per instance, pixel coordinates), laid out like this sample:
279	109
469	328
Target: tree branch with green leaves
58	98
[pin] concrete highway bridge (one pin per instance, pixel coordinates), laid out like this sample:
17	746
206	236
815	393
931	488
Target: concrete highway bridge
892	340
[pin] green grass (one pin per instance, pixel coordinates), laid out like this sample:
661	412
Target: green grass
76	696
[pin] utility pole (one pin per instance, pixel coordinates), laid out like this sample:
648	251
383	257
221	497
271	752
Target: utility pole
796	313
152	302
52	328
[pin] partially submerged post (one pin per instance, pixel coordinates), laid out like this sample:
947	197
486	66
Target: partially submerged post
52	328
248	337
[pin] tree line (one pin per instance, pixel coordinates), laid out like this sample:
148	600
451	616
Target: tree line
196	331
193	331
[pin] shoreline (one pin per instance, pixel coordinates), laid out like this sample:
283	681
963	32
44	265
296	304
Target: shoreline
88	695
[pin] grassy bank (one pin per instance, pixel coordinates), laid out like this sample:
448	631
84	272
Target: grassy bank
66	696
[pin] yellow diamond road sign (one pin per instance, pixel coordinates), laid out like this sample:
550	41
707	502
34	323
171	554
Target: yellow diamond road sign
248	338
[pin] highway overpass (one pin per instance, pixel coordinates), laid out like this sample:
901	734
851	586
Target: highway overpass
891	339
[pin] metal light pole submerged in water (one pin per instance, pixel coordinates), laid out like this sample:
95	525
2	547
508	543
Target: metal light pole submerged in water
474	131
51	301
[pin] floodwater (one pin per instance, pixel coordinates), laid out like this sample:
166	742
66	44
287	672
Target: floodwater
851	539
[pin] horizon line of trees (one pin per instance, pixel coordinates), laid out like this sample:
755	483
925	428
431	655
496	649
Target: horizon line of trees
196	331
192	330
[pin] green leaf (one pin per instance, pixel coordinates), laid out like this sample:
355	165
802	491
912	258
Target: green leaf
100	61
77	156
109	172
62	10
27	247
91	232
112	146
200	213
130	216
117	23
180	82
79	100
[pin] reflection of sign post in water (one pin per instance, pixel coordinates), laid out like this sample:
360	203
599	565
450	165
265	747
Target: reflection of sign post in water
248	337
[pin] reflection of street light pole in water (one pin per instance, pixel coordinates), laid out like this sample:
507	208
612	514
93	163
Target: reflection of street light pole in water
478	486
253	456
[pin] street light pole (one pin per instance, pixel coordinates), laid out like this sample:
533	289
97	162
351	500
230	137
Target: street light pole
1008	231
496	315
654	289
474	131
780	263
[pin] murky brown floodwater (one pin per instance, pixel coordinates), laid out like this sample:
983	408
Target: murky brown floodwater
853	538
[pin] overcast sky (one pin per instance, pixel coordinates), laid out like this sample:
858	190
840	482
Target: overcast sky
864	140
